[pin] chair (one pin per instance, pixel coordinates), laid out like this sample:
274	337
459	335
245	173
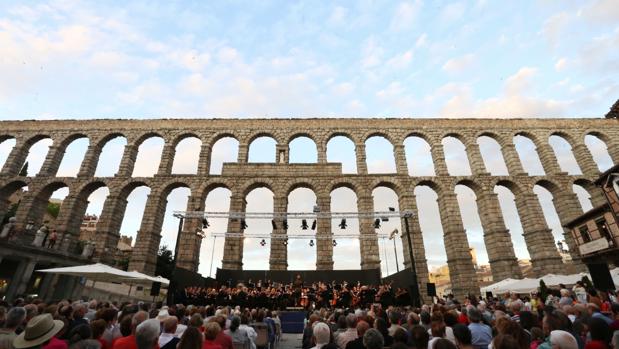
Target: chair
262	330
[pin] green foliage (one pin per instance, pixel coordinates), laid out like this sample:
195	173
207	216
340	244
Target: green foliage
24	170
10	213
165	262
123	264
53	209
543	289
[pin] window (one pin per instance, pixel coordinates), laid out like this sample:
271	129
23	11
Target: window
584	234
603	229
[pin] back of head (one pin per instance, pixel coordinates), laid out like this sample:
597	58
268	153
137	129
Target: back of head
147	333
138	318
400	335
505	341
362	326
351	321
211	330
474	315
443	343
372	339
341	322
462	334
563	340
79	333
170	324
235	322
419	337
191	339
195	320
394	318
97	327
599	330
86	344
321	333
15	317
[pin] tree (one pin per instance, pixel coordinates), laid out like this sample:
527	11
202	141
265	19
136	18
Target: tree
24	170
165	262
53	209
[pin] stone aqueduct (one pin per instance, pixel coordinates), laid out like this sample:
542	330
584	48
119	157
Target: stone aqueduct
322	177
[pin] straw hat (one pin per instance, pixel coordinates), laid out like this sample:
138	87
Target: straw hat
38	331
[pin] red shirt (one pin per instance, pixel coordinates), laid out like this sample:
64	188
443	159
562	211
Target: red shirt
210	345
125	343
463	319
223	340
596	345
56	343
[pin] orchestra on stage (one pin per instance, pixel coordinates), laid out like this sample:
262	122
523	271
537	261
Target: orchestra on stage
297	294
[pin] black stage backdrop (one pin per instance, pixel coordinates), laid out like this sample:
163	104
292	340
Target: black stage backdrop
233	277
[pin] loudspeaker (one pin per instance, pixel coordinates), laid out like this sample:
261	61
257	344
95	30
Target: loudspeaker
154	290
600	276
431	287
488	295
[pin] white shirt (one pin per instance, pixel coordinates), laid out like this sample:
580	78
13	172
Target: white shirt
251	333
164	338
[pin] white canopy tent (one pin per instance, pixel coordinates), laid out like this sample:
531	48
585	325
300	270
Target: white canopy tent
102	272
528	285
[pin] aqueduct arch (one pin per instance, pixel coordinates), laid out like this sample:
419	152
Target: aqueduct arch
322	177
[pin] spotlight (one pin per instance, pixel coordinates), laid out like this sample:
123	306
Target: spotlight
314	225
343	224
285	242
243	224
205	223
392	209
262	243
304	224
311	243
285	224
273	224
384	219
334	243
377	223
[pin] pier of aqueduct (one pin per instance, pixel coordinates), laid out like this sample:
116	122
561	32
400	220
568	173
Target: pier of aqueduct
321	177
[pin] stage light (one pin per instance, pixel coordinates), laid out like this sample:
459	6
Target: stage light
377	223
334	243
273	224
311	243
314	225
343	224
263	242
304	224
205	223
285	242
285	224
243	224
392	209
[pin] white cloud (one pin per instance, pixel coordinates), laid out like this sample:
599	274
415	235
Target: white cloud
459	64
338	15
405	14
421	40
401	60
604	11
453	12
371	54
553	27
560	65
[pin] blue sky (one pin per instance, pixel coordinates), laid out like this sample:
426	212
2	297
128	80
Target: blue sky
74	59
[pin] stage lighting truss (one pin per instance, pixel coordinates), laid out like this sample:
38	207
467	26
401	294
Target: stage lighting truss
269	236
279	216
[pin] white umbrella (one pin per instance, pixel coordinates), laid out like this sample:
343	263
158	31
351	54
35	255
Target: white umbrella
146	279
95	272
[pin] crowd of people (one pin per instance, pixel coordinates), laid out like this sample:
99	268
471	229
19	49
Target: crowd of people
567	320
272	295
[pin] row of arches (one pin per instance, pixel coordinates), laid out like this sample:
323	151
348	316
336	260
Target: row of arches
156	212
151	155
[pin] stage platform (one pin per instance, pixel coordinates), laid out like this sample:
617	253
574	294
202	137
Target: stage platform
292	321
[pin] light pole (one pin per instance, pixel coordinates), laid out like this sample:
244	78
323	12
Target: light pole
392	236
172	287
415	286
